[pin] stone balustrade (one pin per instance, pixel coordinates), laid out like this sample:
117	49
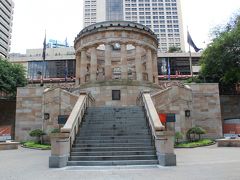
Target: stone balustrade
61	143
164	140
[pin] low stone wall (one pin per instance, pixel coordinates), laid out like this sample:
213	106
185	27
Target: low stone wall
9	145
228	142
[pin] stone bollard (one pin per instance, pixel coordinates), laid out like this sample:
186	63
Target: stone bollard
164	144
60	150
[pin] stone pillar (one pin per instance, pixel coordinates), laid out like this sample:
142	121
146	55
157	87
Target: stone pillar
83	66
108	62
124	67
149	65
164	144
93	68
155	68
138	63
60	150
78	61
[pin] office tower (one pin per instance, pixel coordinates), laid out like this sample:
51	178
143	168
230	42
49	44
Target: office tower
6	17
164	17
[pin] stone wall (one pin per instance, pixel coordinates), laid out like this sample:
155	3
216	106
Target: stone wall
176	100
57	102
32	103
28	112
201	99
206	111
130	90
230	106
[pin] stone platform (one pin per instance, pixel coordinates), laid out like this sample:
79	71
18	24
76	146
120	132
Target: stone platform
8	145
228	142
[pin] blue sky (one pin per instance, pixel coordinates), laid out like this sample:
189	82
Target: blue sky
63	19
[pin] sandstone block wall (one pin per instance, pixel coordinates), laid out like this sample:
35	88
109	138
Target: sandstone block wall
206	111
28	112
129	92
175	100
203	102
32	103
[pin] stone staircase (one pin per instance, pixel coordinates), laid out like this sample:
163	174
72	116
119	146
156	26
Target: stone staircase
113	136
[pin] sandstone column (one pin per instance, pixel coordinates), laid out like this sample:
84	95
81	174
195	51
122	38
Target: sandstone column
149	65
155	68
124	66
83	67
108	63
93	68
78	61
138	63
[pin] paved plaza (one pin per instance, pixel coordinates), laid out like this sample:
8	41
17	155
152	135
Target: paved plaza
200	163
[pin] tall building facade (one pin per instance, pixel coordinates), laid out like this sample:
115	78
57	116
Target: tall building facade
164	17
6	17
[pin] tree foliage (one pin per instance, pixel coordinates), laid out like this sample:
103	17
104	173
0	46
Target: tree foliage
11	77
220	61
192	132
37	133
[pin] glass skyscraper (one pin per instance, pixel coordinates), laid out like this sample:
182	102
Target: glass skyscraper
6	17
164	17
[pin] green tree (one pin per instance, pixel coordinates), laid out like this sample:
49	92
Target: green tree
199	131
38	133
178	135
173	49
11	77
192	132
220	61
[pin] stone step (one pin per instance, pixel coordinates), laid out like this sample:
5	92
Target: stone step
112	137
112	158
110	153
113	144
94	149
113	133
117	123
112	163
114	141
113	126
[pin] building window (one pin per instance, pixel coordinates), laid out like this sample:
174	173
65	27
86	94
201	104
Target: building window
116	95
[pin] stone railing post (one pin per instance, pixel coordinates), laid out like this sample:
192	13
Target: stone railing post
60	150
164	143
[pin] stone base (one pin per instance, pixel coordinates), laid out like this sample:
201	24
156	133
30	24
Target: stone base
58	161
167	159
9	145
228	142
